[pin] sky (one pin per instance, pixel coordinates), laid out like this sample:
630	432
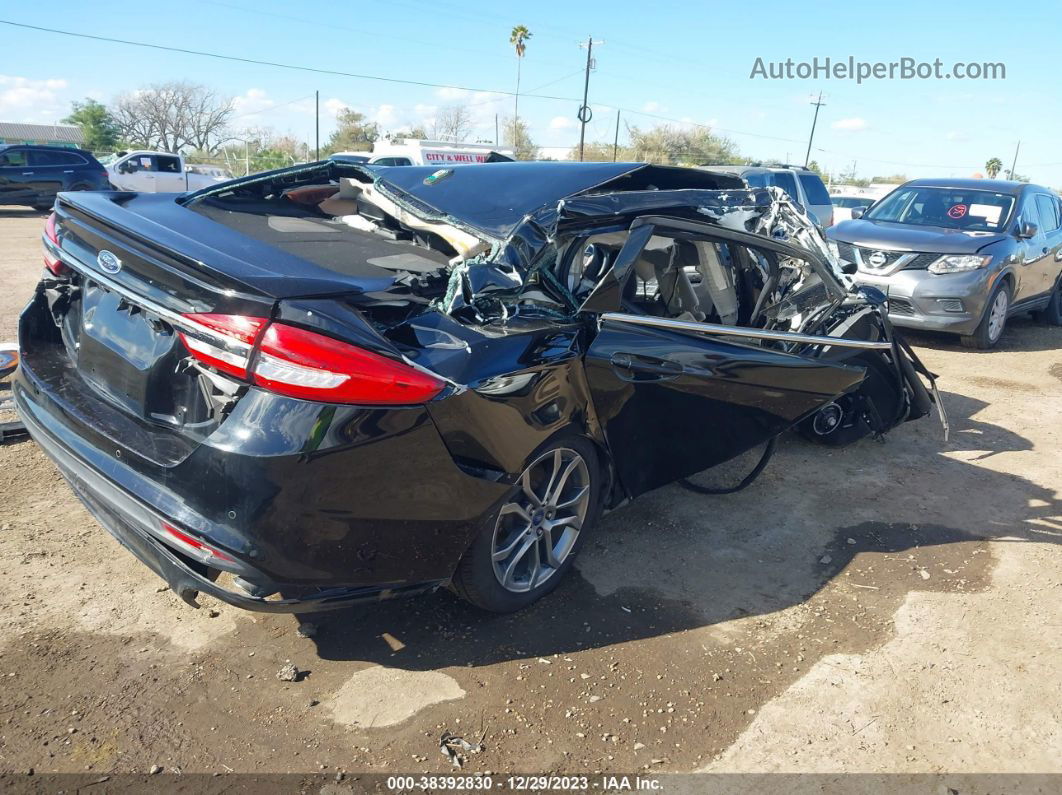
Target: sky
682	63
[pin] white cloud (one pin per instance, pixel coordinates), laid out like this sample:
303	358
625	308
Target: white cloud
333	106
854	124
254	100
562	123
958	136
450	94
652	106
25	99
386	116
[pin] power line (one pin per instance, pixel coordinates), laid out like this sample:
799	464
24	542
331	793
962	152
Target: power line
276	64
271	108
374	31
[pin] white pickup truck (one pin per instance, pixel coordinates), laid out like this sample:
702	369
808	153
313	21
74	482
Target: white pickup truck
161	172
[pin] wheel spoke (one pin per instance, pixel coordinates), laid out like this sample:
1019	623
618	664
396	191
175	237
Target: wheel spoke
536	563
528	542
502	554
558	460
566	521
555	492
519	510
574	499
525	483
547	542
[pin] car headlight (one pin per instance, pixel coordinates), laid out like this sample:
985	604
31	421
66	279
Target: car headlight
959	262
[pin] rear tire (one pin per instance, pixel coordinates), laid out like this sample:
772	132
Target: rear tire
530	542
43	208
990	329
1051	315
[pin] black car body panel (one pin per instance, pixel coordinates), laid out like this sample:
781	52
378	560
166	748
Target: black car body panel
313	504
33	175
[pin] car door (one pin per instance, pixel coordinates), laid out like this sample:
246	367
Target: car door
1035	249
47	177
169	174
675	397
16	176
135	173
1051	226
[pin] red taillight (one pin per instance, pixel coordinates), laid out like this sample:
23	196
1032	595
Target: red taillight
193	544
54	265
240	333
303	364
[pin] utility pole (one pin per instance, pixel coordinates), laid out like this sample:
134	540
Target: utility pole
615	141
585	114
818	104
1014	164
317	124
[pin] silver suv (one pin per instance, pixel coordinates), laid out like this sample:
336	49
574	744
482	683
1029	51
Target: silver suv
802	186
959	255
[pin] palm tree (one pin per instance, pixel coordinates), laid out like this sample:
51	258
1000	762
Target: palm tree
993	166
518	38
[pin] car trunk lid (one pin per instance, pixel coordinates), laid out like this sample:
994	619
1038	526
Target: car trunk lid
139	285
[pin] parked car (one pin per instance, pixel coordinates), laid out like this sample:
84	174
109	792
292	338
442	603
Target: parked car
418	152
802	186
293	410
960	255
33	175
843	206
161	172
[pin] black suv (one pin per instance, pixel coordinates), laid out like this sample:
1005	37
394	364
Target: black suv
32	175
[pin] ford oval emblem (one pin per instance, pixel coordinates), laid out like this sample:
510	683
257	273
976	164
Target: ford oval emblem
108	262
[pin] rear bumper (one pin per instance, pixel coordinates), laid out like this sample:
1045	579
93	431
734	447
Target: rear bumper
324	505
128	521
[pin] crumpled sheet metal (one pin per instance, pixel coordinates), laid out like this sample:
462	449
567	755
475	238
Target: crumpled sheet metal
767	212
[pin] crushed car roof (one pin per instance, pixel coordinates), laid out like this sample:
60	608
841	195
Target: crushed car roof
494	198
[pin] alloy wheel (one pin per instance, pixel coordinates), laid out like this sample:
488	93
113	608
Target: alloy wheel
537	529
997	317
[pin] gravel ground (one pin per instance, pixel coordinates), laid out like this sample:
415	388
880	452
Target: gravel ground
885	607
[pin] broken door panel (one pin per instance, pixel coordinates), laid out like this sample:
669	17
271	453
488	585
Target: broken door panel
674	403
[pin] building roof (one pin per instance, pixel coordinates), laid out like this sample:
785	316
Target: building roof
41	132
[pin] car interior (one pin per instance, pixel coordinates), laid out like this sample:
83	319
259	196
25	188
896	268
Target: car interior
703	280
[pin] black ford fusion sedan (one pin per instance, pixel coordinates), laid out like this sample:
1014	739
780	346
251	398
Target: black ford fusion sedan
336	383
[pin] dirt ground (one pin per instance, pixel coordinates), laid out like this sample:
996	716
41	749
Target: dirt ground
885	607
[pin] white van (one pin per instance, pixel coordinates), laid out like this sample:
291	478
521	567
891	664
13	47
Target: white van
418	152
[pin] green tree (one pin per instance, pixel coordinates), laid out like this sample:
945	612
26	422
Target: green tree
416	132
891	179
518	38
993	167
814	166
352	133
518	138
97	125
600	151
669	145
